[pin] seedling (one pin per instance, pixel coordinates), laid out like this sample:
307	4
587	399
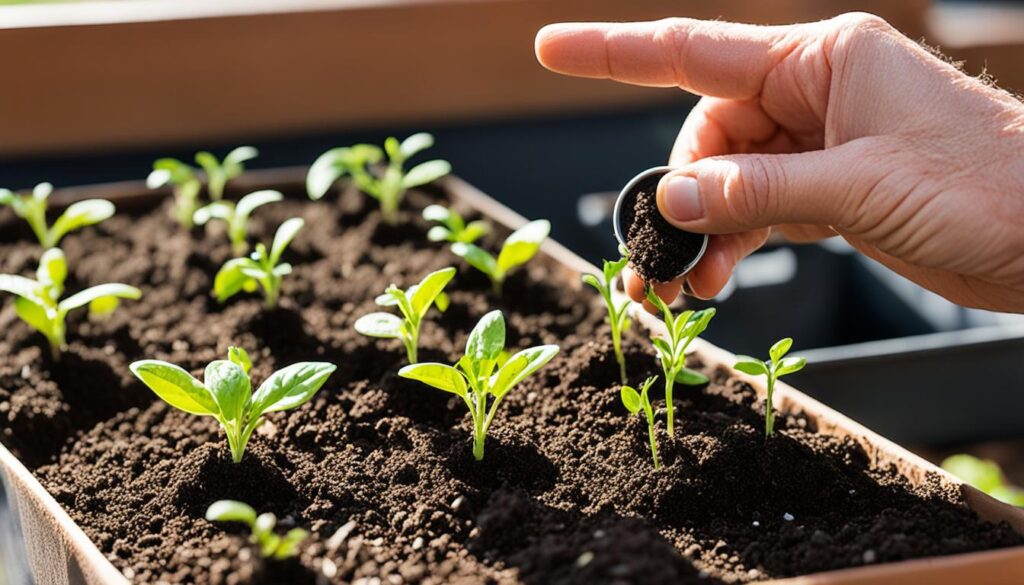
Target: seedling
635	402
413	304
32	208
272	545
986	476
681	330
226	393
775	368
38	302
618	316
236	215
474	378
260	269
361	162
453	227
218	173
186	186
520	246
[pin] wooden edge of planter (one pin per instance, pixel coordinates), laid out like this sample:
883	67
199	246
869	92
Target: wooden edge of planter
60	553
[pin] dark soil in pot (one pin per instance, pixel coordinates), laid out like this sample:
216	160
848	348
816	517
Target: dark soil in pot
379	468
658	251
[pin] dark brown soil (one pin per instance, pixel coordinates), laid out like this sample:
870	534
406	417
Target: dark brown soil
379	468
658	251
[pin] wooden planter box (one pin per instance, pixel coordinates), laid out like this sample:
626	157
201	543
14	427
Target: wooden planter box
59	552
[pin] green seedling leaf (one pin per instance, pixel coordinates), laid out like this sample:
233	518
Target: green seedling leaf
780	349
238	355
427	172
790	365
260	270
750	366
53	269
176	387
230	387
231	511
477	258
231	277
635	402
522	244
415	144
383	325
772	370
284	236
79	215
413	304
122	291
291	387
428	289
690	377
326	169
518	367
272	545
487	339
631	399
439	376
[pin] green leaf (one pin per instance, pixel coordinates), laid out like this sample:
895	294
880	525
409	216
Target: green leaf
238	355
682	320
326	169
523	244
239	155
289	545
416	143
980	473
284	236
230	387
7	197
53	269
158	178
442	302
790	365
664	349
613	269
175	386
21	286
231	511
121	291
216	210
393	148
427	172
103	307
291	387
521	365
655	300
474	231
631	399
34	315
1008	494
487	338
691	377
249	203
594	282
476	257
79	215
437	212
439	233
42	191
780	349
429	288
232	277
383	325
751	366
440	376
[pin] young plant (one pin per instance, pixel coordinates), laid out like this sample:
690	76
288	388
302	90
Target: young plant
260	269
985	475
32	208
618	316
681	330
635	402
218	173
387	186
226	393
38	301
520	246
272	545
474	378
413	304
236	215
186	186
453	227
778	366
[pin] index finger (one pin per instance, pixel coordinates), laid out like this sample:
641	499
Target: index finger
713	58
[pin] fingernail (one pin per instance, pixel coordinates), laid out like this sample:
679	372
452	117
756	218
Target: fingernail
682	199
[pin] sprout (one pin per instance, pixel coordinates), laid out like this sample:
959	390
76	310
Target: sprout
272	546
453	228
237	215
32	208
985	475
413	304
681	330
618	317
389	186
473	378
775	368
186	187
227	392
38	301
260	269
635	402
520	246
219	173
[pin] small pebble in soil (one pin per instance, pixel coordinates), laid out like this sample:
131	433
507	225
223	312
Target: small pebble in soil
338	538
329	569
418	543
853	492
869	556
755	523
26	372
584	559
658	251
787	517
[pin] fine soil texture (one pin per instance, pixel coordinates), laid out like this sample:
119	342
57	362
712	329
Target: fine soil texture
658	251
380	469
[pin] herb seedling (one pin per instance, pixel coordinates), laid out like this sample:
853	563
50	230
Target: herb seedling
236	215
218	173
618	316
635	402
38	301
681	330
226	393
985	475
474	378
778	366
520	246
453	227
413	304
32	208
272	545
260	269
388	186
186	186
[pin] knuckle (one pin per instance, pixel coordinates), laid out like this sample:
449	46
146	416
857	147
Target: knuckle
751	187
861	25
672	35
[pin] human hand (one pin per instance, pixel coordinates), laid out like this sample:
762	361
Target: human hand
840	127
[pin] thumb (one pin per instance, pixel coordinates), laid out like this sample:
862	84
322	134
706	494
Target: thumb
735	193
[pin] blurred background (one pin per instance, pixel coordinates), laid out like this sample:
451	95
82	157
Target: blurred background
95	91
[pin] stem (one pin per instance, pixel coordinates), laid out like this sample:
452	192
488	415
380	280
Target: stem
669	382
271	295
38	224
235	443
389	209
769	411
57	341
617	344
410	348
496	283
654	443
479	425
